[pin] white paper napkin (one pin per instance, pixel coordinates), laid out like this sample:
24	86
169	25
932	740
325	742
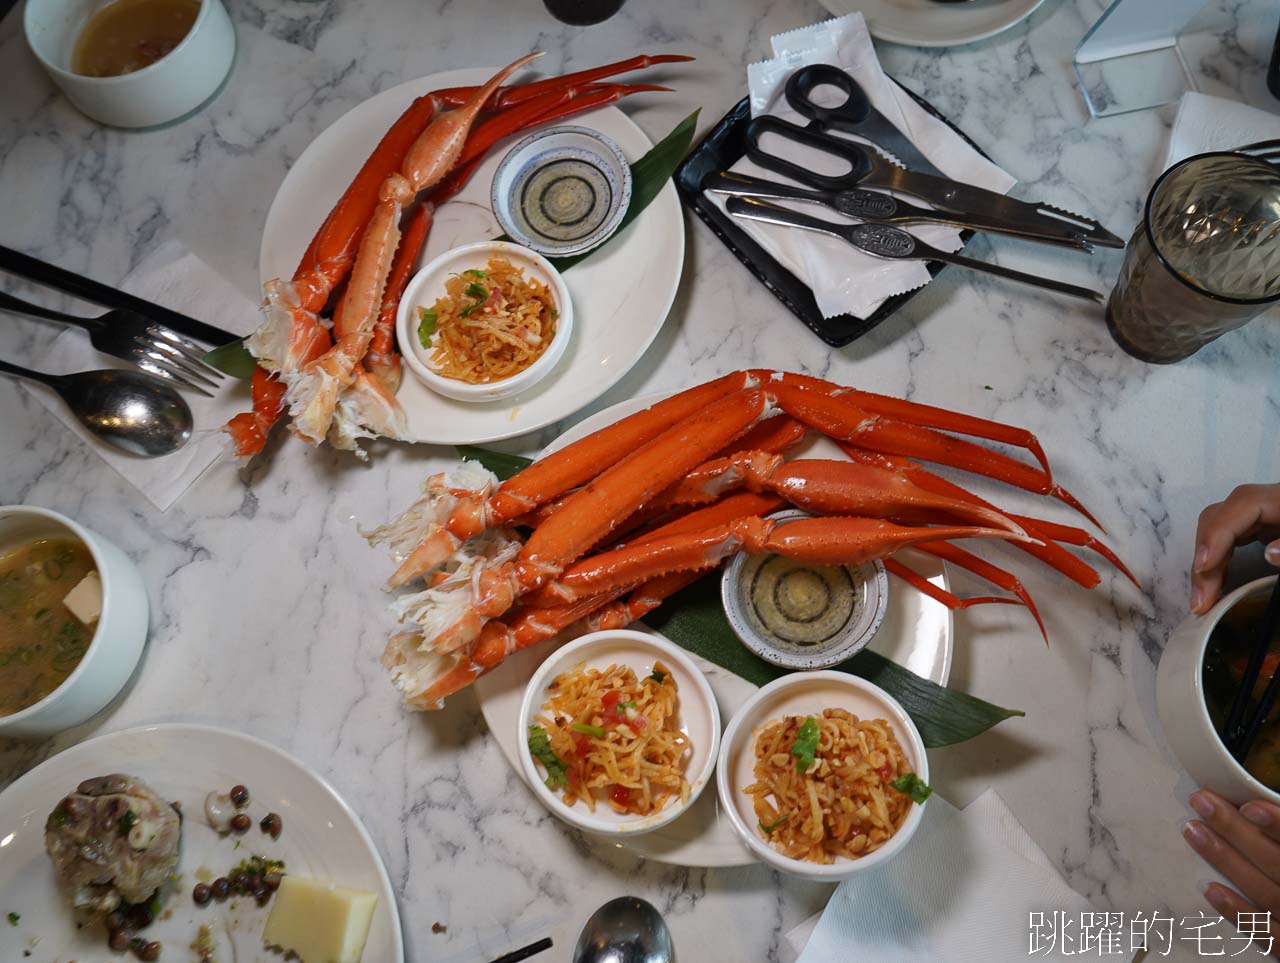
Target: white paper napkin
1207	123
844	279
174	277
961	891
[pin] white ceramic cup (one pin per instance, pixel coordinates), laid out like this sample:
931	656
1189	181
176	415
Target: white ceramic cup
1183	714
117	642
173	86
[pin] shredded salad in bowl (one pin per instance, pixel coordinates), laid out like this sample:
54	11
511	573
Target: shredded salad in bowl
608	737
489	325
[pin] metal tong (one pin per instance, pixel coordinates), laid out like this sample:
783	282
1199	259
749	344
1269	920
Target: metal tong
891	243
961	204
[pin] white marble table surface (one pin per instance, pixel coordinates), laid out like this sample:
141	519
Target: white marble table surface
266	617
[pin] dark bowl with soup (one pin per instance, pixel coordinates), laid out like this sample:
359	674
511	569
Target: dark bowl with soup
73	620
1200	672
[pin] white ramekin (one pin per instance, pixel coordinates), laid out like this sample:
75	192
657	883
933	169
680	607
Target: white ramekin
427	286
173	86
1182	710
807	694
699	717
116	645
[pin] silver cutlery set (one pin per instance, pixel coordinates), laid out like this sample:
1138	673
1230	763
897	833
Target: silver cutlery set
139	412
860	192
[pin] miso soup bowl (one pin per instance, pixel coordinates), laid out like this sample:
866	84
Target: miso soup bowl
114	650
1184	715
172	87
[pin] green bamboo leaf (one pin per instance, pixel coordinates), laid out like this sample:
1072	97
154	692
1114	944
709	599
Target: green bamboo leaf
232	358
500	463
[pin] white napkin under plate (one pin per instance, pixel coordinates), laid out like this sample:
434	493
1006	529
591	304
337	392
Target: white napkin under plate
174	277
1207	123
961	891
844	279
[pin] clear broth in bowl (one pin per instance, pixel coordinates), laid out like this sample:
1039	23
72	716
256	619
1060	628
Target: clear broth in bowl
41	641
127	35
1225	658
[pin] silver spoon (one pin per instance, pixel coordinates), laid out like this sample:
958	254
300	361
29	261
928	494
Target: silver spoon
129	410
625	930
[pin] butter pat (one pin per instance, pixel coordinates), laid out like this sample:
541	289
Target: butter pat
321	923
85	600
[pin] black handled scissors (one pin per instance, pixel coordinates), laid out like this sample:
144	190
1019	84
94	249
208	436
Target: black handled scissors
979	208
854	116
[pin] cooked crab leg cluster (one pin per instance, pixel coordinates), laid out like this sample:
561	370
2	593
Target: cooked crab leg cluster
685	484
340	383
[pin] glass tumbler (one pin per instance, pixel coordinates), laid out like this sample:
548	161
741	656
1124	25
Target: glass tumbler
1204	260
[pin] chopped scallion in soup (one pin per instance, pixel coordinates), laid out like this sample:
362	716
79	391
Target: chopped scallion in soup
41	641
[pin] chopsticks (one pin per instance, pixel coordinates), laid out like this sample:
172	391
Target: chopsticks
33	269
525	951
1239	732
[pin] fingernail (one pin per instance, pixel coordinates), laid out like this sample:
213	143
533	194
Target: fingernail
1272	554
1197	598
1256	814
1202	804
1194	833
1205	886
1202	557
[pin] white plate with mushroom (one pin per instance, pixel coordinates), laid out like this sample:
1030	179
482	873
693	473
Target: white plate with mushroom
320	837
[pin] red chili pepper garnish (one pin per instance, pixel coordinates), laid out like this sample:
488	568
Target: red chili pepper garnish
622	795
581	744
885	773
610	701
639	724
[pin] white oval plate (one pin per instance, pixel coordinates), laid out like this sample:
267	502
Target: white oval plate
321	838
621	293
930	23
697	716
916	633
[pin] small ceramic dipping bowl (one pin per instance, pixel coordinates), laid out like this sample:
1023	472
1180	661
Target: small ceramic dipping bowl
1182	683
117	642
807	694
699	719
562	191
427	286
803	616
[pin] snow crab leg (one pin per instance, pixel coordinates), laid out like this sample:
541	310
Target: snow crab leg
292	336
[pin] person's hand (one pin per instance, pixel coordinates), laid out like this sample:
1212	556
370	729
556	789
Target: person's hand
1244	846
1251	513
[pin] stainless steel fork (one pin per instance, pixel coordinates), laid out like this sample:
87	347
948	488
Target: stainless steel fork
135	338
1264	150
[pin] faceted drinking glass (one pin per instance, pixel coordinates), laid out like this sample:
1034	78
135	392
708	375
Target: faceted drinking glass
1204	260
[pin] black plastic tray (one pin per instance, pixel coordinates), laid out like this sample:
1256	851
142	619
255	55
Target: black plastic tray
723	147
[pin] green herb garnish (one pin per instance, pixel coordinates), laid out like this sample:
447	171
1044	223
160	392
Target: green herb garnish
658	676
426	326
626	705
477	291
540	749
773	825
13	919
586	730
476	273
806	744
127	822
909	784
